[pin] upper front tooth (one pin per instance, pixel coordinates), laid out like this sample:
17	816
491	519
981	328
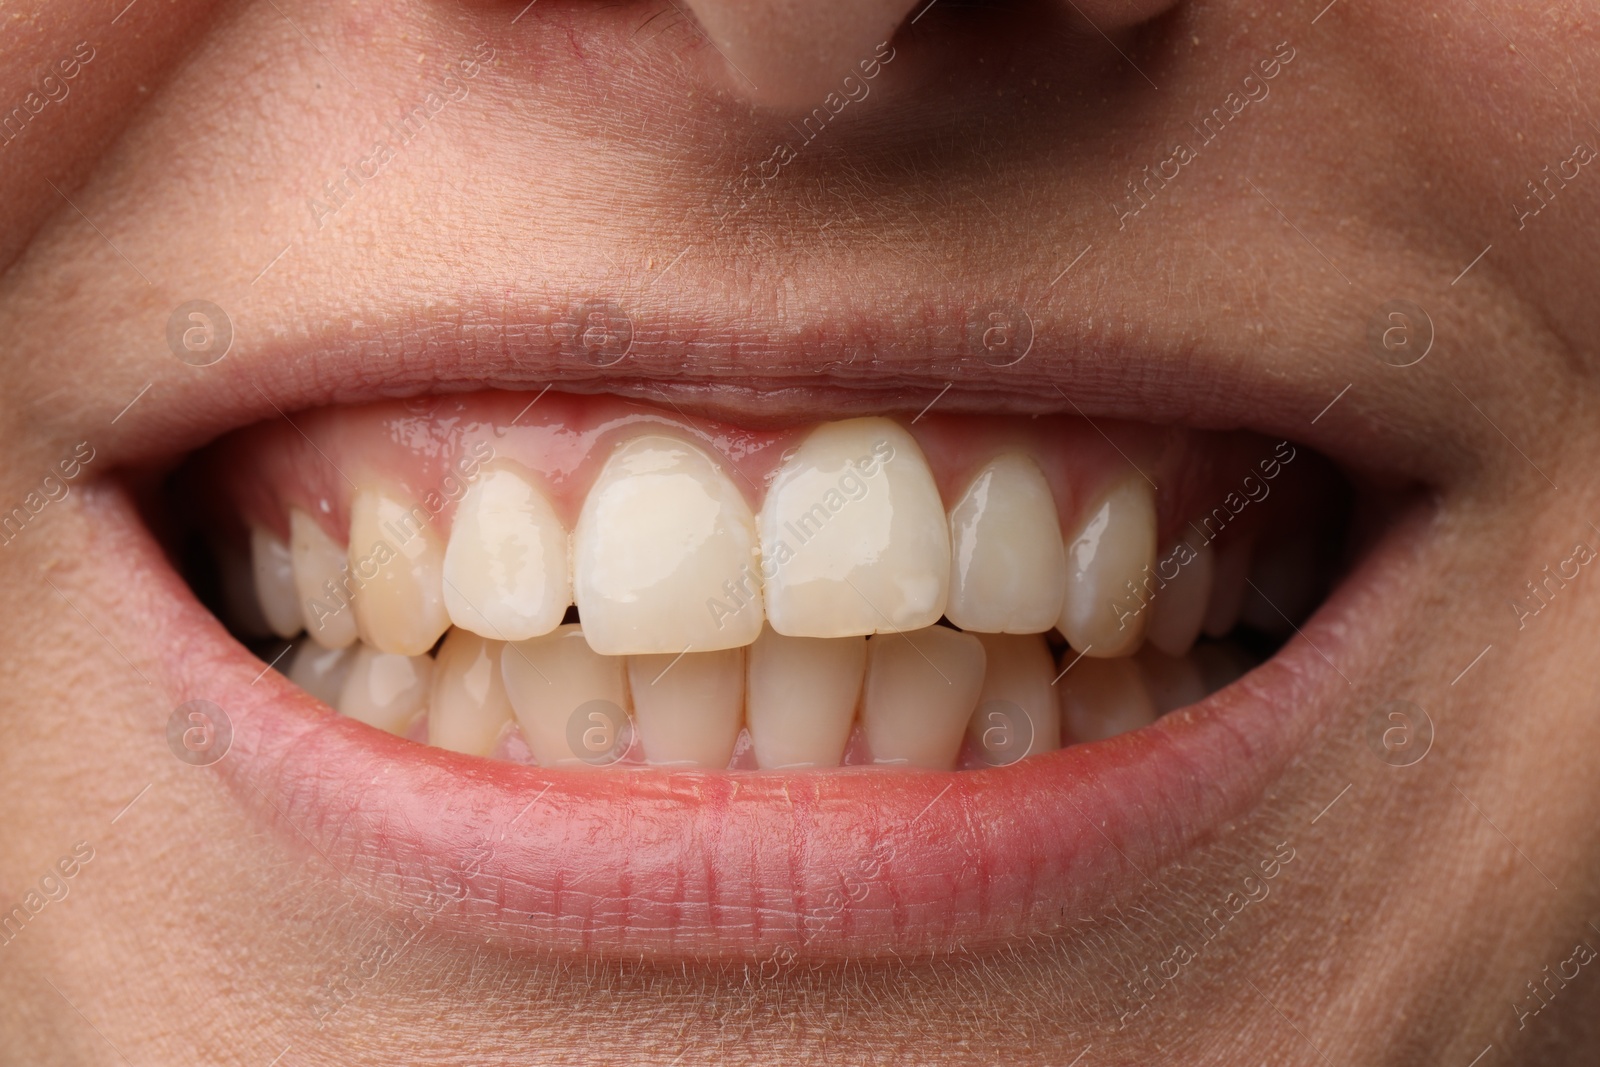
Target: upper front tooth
505	566
274	570
386	690
398	563
468	709
664	554
1179	606
1018	713
688	707
1108	558
320	567
854	537
570	701
801	696
920	692
1008	572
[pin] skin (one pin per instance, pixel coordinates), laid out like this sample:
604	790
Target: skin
582	162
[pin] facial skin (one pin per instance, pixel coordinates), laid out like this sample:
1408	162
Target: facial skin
598	157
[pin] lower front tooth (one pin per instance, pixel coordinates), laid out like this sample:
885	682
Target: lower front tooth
688	706
570	701
274	571
467	709
1108	560
920	692
321	671
1102	698
1017	713
386	690
398	565
1173	682
801	696
321	568
1179	608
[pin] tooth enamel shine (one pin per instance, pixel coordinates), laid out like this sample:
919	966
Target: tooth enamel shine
321	571
1008	571
1113	548
505	565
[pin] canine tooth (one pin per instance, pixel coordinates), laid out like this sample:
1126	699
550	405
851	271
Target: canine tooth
664	554
398	562
1173	682
569	700
801	696
274	571
321	671
854	536
1177	610
320	569
385	689
467	706
1102	698
920	691
1108	561
1017	704
1227	587
505	565
1008	570
688	706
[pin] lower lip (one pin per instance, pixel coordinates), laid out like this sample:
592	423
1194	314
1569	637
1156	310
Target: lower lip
673	865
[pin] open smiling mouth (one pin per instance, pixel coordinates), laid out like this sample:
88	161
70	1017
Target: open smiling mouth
625	676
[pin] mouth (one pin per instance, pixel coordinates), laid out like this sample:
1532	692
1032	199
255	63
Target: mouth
637	666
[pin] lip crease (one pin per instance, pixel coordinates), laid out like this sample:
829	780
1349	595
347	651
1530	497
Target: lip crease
672	864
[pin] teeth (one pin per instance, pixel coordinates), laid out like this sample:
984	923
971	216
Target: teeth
664	554
321	671
688	706
396	558
386	690
1227	587
505	566
1112	549
1017	712
320	568
1173	682
467	708
237	585
1102	698
1008	572
854	536
274	571
921	689
801	698
1177	611
550	681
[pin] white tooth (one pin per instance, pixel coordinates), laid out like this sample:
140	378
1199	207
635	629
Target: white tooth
688	707
664	554
920	692
1178	608
467	708
854	537
1008	570
321	671
505	566
801	698
237	580
1227	587
1173	682
274	571
398	563
320	569
386	690
1017	713
1102	698
1114	545
570	701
